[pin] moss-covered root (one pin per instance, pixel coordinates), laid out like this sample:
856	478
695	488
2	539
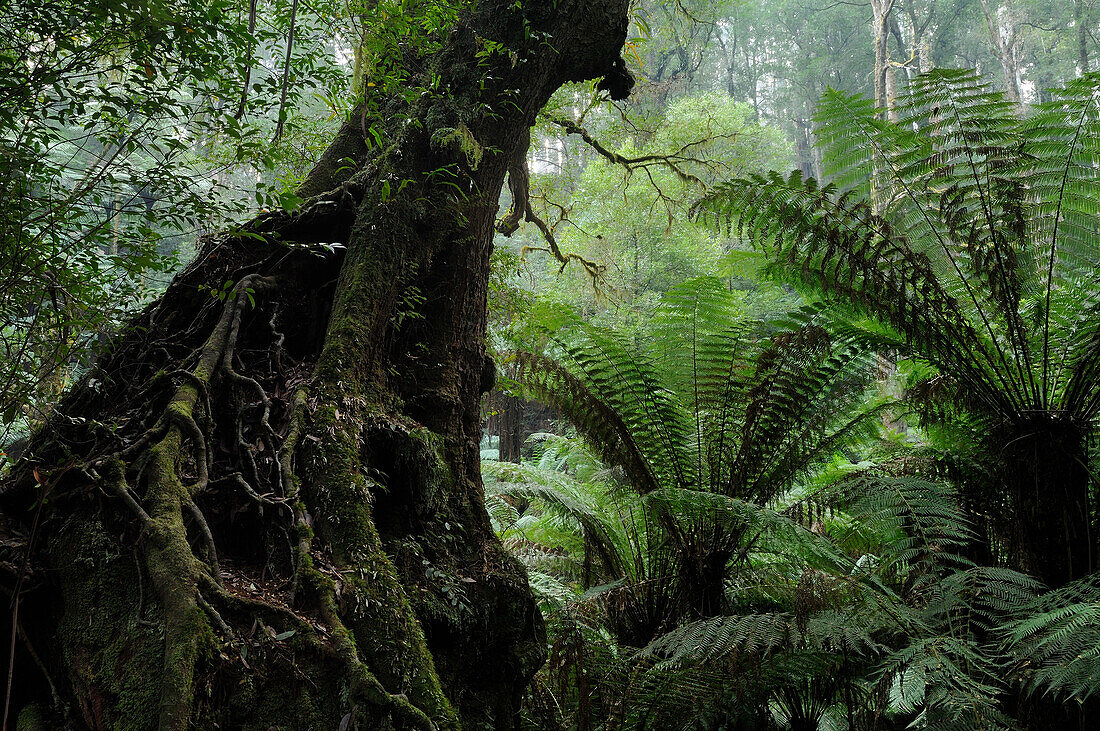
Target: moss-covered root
173	571
373	618
363	684
111	639
169	561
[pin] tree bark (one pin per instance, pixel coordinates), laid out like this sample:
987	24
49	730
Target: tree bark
511	436
1080	28
880	25
515	419
884	86
920	31
263	507
1004	38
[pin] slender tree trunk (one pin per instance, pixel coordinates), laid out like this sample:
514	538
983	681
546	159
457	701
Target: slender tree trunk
884	88
880	25
263	507
1003	37
1082	32
804	147
920	32
892	94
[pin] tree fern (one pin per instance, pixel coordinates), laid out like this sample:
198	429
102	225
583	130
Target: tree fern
1055	641
973	236
594	562
709	404
880	614
910	615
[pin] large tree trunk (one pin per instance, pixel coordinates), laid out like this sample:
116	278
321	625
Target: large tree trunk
263	507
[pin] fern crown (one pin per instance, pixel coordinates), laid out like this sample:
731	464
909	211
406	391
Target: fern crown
972	233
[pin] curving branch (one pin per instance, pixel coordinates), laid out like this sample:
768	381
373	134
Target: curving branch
519	185
674	161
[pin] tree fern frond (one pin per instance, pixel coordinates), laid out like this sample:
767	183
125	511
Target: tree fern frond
548	588
839	246
1056	640
549	381
710	639
973	236
552	491
920	520
1002	212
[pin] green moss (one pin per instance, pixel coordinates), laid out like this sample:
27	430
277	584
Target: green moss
32	718
306	705
112	658
286	686
459	139
435	473
117	650
173	573
369	599
341	498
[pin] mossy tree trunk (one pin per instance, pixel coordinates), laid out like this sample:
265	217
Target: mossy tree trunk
263	507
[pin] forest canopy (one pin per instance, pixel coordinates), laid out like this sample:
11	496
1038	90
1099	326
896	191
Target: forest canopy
585	364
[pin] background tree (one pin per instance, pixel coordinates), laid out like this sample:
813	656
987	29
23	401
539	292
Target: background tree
120	147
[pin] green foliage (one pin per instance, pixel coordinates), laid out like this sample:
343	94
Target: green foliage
968	235
874	614
901	625
589	552
839	600
1056	640
632	218
704	402
707	419
388	35
121	128
967	230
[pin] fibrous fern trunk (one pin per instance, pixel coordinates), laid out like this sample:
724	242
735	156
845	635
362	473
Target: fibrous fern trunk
1046	468
262	508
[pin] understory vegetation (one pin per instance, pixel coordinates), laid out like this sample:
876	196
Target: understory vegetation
859	497
779	327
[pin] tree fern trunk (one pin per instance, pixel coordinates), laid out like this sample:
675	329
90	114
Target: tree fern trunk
1047	472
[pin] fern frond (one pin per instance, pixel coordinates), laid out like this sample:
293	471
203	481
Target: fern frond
710	639
1056	641
839	246
973	233
611	434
